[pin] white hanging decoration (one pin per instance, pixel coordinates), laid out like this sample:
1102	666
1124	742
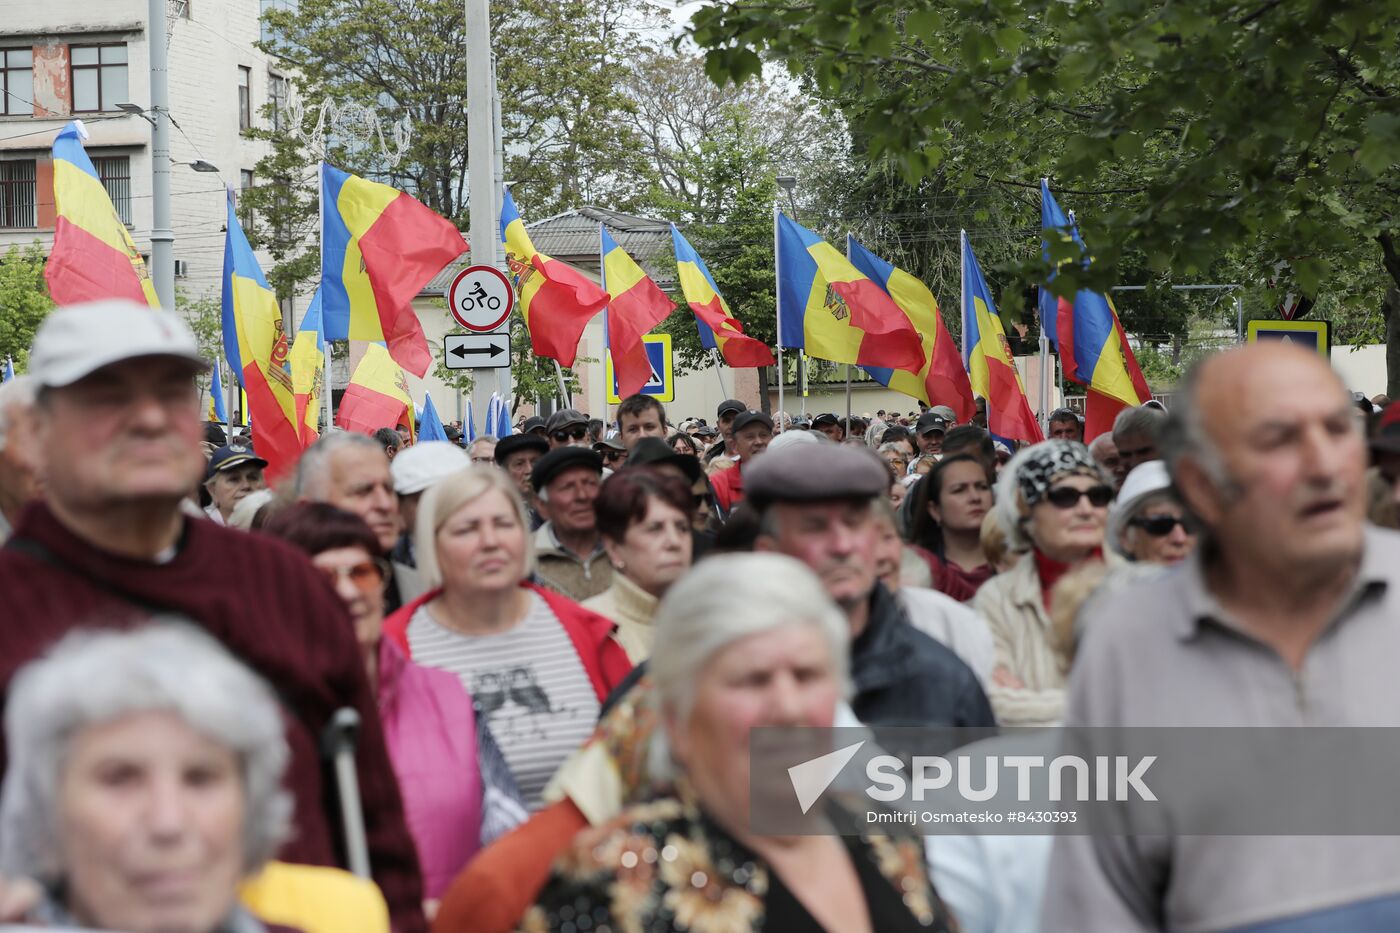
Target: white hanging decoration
350	124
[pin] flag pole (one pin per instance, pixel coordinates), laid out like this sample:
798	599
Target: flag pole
848	365
327	421
714	358
778	311
607	332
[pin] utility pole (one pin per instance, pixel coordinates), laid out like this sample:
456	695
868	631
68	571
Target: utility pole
162	236
482	180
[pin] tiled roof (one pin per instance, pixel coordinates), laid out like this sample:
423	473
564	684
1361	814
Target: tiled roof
573	237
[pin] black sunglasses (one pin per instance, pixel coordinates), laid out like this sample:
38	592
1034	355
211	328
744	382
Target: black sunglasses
1067	497
1159	526
612	456
569	434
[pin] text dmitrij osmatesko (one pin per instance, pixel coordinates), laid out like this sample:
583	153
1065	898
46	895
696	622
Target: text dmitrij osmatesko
1065	777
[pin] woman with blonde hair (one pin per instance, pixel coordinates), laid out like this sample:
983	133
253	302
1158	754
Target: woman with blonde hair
538	665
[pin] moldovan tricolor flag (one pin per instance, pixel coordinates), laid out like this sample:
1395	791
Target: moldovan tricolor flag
377	396
308	370
987	353
717	325
636	304
1094	351
942	379
256	347
93	256
829	308
556	300
379	247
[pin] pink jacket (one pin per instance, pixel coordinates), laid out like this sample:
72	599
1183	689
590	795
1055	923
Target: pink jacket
430	730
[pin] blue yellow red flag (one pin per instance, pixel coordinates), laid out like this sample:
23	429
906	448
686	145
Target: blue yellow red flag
308	359
830	309
636	304
93	255
556	300
991	368
377	396
1087	333
941	380
379	247
718	327
255	345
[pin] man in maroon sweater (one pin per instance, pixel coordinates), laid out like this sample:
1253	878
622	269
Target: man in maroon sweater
117	436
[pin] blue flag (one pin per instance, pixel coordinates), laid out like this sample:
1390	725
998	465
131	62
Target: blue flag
430	425
9	369
501	426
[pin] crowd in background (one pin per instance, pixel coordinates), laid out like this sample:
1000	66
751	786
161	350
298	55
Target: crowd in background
556	643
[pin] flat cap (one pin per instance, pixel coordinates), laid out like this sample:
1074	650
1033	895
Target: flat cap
650	450
561	459
746	418
532	423
514	443
948	414
930	421
565	418
825	418
730	405
416	468
611	443
814	473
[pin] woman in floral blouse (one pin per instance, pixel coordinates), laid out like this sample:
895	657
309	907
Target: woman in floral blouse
691	861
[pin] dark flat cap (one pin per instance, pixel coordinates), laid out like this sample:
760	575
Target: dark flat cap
532	423
813	473
931	421
731	405
655	450
746	418
565	418
514	443
825	418
561	459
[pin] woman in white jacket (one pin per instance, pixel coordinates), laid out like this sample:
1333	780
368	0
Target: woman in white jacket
1053	500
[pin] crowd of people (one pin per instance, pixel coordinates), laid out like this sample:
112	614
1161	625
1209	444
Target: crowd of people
555	644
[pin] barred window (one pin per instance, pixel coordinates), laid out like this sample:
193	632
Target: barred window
115	172
17	195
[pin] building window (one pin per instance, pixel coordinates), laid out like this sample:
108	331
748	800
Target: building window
245	98
277	99
245	206
99	77
17	194
18	76
115	172
266	32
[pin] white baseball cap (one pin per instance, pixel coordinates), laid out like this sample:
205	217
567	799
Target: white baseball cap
76	341
422	465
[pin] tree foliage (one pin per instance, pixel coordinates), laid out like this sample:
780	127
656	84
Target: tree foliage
26	302
1185	134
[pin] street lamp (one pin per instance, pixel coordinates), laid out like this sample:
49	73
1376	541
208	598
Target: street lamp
788	184
199	165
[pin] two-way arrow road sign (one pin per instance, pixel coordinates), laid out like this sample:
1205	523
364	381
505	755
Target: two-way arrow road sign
476	351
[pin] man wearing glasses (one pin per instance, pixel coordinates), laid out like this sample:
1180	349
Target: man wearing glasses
567	427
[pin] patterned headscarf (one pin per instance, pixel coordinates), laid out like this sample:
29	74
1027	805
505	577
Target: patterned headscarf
1048	461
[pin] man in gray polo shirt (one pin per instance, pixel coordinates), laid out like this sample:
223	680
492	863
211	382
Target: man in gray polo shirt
1287	615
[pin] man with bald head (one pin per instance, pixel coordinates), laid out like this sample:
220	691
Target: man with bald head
1287	615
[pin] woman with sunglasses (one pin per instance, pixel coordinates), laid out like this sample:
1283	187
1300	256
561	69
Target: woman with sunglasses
1053	500
1148	522
427	715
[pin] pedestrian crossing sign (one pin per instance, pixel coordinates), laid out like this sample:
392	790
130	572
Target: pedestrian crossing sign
662	384
1310	335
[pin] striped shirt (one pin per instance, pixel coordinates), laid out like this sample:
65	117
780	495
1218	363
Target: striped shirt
529	686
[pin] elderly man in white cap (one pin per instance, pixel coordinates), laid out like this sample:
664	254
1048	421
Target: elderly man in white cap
117	441
415	471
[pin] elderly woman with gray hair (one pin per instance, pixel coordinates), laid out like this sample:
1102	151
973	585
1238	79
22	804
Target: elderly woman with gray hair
1052	499
691	861
144	784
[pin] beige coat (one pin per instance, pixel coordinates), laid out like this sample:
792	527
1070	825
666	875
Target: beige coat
1021	632
566	574
631	608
